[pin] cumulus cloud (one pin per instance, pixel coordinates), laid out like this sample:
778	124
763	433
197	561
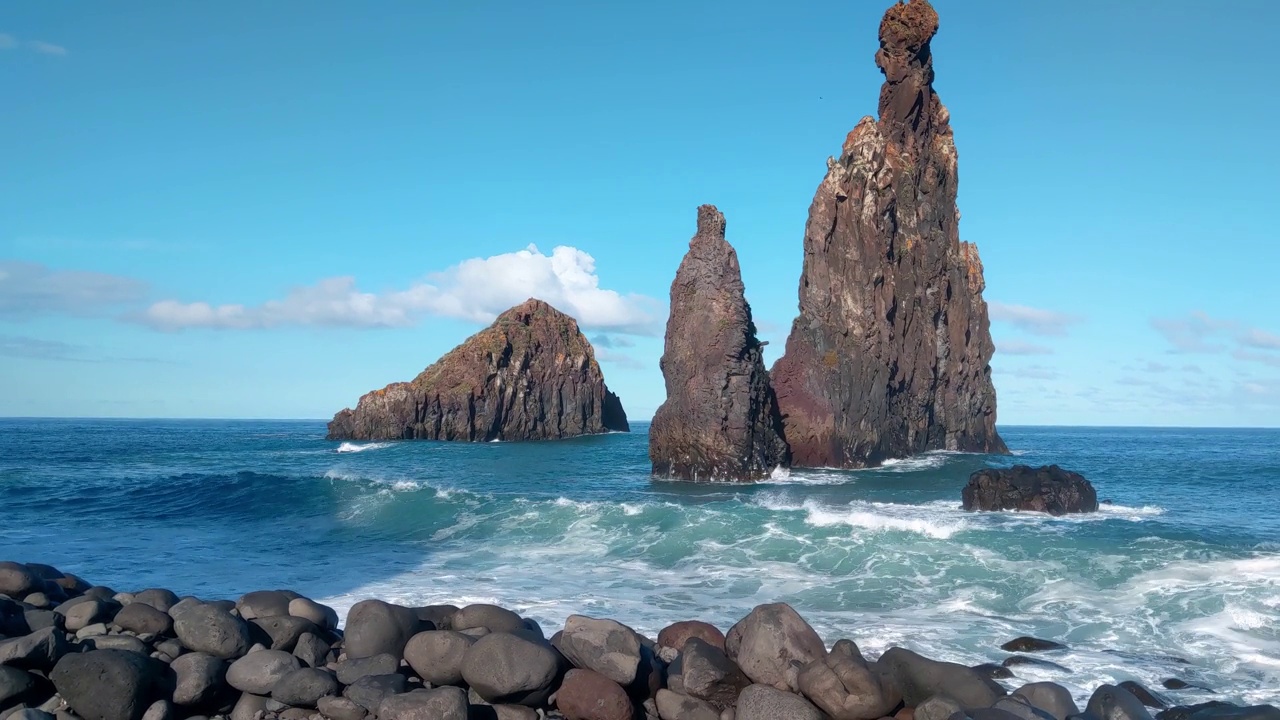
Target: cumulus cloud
619	359
1036	321
1018	347
1271	359
477	290
30	289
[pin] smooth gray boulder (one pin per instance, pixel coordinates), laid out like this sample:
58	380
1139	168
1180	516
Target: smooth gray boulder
265	603
504	668
706	673
304	687
158	598
449	703
321	615
250	707
371	690
674	706
846	687
937	707
766	641
90	612
919	678
1109	702
259	672
108	684
200	677
1021	707
13	684
605	646
39	650
340	708
141	618
350	671
375	627
284	630
1049	697
489	617
209	628
763	702
436	656
17	580
311	650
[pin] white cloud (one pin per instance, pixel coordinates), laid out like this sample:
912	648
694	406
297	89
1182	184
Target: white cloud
622	360
477	290
1261	339
45	48
1036	321
1030	372
1199	332
31	289
1018	347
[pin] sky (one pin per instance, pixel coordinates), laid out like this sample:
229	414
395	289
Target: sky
267	213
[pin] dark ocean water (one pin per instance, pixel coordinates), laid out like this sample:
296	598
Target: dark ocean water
1185	563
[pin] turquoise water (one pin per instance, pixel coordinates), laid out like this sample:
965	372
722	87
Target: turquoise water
1184	564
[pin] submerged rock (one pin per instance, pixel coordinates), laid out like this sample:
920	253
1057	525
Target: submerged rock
1048	489
720	420
890	355
531	375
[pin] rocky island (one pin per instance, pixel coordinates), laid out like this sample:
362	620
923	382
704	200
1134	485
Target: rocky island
720	420
531	375
890	354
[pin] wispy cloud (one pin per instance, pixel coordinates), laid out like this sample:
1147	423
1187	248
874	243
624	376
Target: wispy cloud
29	289
1018	347
1036	321
1201	333
45	48
604	340
31	348
11	42
1271	359
477	290
1030	372
619	359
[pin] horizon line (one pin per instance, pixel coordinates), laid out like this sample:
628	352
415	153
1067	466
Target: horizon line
4	418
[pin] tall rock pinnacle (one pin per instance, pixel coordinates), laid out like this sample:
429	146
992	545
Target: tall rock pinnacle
891	353
720	419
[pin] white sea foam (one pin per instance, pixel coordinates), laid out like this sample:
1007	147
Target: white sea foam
350	447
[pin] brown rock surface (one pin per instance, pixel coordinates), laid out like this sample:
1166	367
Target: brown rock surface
531	375
890	353
720	419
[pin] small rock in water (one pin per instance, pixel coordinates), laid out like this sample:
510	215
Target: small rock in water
1017	660
1048	489
1031	644
993	671
1179	684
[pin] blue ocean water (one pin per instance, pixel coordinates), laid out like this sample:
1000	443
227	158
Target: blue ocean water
1184	565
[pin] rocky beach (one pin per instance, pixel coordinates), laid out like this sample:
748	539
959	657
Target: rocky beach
69	649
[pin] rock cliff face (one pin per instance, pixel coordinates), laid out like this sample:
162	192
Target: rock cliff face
529	376
720	420
890	353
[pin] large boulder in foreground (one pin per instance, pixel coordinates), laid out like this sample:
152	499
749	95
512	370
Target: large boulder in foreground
720	420
890	355
1048	489
531	375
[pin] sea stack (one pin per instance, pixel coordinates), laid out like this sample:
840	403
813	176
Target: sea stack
720	420
890	355
531	375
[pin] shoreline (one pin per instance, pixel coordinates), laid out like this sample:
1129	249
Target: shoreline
166	658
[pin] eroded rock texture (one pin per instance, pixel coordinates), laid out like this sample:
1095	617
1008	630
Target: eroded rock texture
890	353
529	376
720	419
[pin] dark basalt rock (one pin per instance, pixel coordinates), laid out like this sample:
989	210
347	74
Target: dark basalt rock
1048	489
1031	644
531	375
720	420
890	355
1017	660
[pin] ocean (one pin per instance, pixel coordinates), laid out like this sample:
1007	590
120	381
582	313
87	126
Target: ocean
1179	576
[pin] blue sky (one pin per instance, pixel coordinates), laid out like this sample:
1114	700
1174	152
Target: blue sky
266	213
